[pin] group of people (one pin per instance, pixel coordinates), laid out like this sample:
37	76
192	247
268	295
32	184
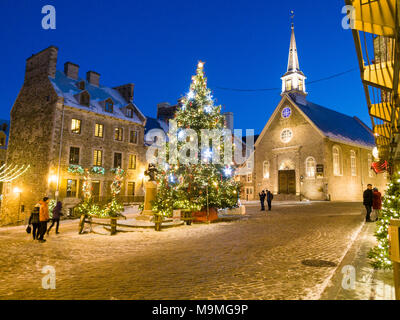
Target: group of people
266	194
373	203
40	217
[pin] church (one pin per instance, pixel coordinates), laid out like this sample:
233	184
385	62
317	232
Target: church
309	152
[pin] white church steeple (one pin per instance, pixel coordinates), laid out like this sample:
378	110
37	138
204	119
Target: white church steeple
293	81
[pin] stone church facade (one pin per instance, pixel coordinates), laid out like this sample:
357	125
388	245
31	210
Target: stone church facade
307	151
60	119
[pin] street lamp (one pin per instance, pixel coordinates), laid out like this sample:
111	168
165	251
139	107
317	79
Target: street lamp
18	191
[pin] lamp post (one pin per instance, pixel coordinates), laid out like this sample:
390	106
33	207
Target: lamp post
18	191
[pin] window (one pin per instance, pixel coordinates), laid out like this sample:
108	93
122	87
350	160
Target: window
117	160
370	171
250	177
337	161
109	107
73	155
129	112
132	161
118	134
353	163
97	158
2	141
71	188
76	126
81	85
286	112
133	137
286	135
84	99
310	167
131	188
266	169
301	85
288	84
98	130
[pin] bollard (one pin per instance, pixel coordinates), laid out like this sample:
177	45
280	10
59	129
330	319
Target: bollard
394	253
113	226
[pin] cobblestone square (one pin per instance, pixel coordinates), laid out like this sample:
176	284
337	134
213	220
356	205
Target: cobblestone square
258	257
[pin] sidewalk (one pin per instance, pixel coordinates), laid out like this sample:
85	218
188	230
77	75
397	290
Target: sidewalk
370	284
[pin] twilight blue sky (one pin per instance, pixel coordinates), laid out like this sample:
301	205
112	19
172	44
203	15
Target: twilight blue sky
156	45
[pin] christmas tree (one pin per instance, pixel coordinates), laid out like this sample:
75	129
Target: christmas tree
205	181
390	210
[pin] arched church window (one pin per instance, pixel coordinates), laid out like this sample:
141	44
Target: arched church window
353	163
337	161
266	169
301	85
310	167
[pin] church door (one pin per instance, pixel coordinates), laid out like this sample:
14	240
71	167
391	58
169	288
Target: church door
287	182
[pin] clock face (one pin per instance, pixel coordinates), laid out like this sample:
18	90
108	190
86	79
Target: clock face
286	112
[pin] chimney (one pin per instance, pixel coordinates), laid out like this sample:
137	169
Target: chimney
126	91
165	111
93	78
229	120
41	65
71	70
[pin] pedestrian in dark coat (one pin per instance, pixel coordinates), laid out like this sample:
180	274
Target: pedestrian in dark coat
368	202
56	217
262	196
43	217
270	197
34	221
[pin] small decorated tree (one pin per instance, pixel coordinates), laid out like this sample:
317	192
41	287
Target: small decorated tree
390	210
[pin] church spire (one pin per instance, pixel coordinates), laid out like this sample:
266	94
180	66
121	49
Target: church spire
293	64
293	81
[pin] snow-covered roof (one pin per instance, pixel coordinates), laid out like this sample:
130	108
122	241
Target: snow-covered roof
68	89
338	126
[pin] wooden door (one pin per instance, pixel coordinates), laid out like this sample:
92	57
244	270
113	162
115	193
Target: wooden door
287	182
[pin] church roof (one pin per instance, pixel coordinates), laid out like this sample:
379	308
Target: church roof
338	126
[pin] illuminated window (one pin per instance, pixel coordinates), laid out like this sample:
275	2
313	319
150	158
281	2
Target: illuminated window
97	158
250	177
301	85
132	161
286	135
76	126
133	137
266	169
310	167
118	134
98	130
353	163
288	84
337	161
71	188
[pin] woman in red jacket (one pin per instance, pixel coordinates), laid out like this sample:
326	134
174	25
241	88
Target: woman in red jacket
377	203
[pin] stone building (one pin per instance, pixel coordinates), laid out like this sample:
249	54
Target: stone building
307	151
60	120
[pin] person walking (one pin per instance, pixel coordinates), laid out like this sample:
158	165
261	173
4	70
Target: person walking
270	197
43	218
368	202
376	203
262	196
35	222
56	217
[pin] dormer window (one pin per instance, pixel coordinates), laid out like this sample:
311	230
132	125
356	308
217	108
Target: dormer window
129	112
109	106
81	85
84	99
